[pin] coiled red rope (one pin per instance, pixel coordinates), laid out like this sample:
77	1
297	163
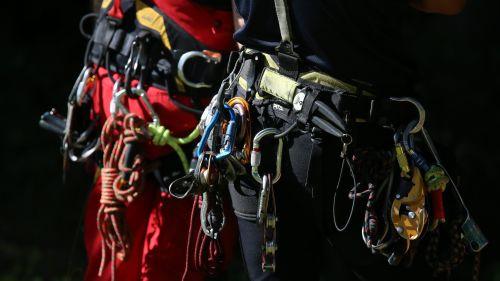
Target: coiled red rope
118	134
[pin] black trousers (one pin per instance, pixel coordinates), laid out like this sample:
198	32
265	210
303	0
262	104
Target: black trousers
308	246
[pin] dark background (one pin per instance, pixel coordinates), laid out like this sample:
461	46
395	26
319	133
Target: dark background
41	49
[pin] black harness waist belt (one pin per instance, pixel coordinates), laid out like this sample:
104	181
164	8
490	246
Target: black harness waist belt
112	45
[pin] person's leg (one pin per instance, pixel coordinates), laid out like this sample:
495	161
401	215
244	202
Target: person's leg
297	237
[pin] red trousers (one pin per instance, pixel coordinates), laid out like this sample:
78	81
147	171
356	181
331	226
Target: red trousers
159	226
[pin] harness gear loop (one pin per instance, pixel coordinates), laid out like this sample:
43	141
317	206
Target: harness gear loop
256	154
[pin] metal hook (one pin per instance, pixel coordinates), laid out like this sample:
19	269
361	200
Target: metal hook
190	55
421	112
142	95
133	64
81	85
255	158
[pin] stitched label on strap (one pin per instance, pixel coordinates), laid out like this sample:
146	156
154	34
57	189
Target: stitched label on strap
278	85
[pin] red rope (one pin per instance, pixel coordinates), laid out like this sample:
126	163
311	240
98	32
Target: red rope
117	132
207	253
190	234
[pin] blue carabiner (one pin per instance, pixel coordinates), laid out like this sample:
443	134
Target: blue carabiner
229	136
206	134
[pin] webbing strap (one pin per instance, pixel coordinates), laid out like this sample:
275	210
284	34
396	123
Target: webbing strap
278	85
283	20
288	60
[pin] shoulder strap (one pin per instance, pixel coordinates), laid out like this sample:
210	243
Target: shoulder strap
288	60
283	20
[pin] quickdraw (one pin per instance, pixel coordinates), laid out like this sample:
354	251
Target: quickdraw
266	210
128	48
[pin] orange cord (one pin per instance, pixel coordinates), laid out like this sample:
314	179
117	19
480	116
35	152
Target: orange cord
117	132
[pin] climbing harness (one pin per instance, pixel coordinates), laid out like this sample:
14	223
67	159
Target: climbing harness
402	191
142	50
209	57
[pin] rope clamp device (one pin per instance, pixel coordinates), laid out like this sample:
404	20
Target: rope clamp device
255	158
209	57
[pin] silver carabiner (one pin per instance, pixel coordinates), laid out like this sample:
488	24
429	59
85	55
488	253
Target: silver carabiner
255	157
421	112
190	55
81	85
142	95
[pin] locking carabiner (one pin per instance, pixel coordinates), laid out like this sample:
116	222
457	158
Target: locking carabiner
255	158
209	58
229	135
142	95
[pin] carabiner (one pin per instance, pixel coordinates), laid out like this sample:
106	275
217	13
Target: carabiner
255	158
82	84
190	55
421	112
133	63
142	95
73	94
229	136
